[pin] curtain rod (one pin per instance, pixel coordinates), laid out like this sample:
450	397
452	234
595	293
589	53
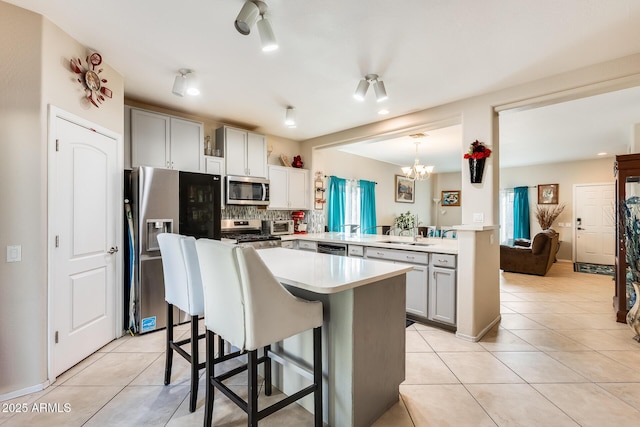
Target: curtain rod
328	176
528	186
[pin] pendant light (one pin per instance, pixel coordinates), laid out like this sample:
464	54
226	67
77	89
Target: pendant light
417	171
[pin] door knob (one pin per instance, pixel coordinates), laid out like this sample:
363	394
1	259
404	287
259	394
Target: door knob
113	250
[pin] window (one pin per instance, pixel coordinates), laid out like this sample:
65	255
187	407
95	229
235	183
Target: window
506	215
352	203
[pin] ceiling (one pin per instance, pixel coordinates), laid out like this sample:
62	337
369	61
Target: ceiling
427	52
575	130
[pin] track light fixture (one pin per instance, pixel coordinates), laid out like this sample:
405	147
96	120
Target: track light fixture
185	83
247	18
290	118
378	87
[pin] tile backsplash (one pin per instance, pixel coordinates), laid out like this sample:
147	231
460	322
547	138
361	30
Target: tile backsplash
315	219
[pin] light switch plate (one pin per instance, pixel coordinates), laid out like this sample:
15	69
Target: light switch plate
478	217
14	253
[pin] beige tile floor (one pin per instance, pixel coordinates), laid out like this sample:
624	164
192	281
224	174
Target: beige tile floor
557	359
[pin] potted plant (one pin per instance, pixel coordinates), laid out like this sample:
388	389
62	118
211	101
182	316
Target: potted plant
404	221
477	155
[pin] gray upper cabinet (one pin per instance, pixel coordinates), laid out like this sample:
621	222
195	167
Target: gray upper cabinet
164	141
288	188
245	152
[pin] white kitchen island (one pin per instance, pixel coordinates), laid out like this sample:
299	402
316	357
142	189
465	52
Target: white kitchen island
363	331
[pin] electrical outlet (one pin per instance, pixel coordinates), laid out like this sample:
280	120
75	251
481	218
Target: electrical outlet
14	253
478	217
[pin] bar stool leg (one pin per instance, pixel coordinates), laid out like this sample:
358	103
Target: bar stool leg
317	376
267	371
252	407
210	373
220	346
169	349
194	364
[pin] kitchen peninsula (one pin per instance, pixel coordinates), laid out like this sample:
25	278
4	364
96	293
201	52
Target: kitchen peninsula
431	289
363	331
477	292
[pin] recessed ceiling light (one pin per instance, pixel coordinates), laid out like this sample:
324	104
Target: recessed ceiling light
383	112
602	154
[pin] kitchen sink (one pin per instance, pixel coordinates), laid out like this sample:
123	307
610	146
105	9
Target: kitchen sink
408	243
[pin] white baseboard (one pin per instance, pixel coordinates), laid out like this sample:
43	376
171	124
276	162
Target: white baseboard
482	333
24	391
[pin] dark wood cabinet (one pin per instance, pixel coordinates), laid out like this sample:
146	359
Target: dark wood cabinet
627	169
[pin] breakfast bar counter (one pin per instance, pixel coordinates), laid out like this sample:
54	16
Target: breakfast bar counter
363	339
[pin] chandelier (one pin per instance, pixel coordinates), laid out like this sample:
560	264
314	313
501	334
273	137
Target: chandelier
417	172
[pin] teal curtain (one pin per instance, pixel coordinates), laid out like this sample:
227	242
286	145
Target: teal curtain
521	213
336	199
367	207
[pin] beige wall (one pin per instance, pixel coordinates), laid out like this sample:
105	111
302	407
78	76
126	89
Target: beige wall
34	65
23	301
566	175
447	216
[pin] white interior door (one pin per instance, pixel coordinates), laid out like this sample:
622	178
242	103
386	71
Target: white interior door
85	191
595	223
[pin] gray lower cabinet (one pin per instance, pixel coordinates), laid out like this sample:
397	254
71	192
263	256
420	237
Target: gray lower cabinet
417	290
289	244
442	289
417	279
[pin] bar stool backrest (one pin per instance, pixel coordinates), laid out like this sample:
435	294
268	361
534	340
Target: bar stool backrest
182	280
244	302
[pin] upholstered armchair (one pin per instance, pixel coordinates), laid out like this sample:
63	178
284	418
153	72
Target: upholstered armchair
536	258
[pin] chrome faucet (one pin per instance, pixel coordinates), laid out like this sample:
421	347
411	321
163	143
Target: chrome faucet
415	228
443	232
352	228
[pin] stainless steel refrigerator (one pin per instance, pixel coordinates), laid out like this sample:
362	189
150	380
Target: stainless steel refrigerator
165	201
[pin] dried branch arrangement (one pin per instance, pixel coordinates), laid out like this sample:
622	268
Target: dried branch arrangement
546	215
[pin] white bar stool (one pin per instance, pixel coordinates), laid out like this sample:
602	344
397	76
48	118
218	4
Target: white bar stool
250	309
183	289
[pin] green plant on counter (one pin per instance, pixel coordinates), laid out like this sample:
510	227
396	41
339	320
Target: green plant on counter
404	221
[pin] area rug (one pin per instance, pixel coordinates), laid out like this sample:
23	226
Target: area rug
410	322
583	267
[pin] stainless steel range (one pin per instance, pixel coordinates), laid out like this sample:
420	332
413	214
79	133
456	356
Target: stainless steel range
248	232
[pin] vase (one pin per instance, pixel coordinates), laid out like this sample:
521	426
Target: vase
633	315
476	168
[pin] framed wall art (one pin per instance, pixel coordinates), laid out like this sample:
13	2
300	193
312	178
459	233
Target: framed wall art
548	194
405	189
450	198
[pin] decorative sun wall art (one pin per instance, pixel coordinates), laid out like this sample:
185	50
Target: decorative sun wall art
90	79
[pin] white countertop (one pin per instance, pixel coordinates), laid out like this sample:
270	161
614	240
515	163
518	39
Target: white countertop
326	274
445	246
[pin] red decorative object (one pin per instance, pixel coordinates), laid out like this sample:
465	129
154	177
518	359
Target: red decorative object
477	150
297	162
90	79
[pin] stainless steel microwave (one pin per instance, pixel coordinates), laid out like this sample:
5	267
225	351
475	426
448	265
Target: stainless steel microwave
247	190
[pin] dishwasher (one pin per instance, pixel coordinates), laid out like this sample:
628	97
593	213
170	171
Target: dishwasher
332	248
